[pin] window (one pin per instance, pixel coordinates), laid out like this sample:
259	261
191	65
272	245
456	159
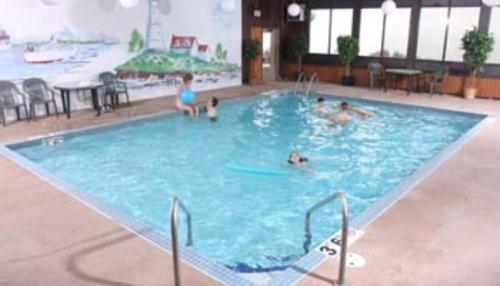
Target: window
461	20
318	31
371	32
397	33
495	29
432	30
341	26
397	30
326	26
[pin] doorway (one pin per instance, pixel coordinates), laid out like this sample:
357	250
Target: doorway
270	53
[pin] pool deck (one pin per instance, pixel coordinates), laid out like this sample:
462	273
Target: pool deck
444	232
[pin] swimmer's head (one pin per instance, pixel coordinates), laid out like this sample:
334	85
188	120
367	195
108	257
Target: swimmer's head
187	78
321	100
214	101
294	158
344	106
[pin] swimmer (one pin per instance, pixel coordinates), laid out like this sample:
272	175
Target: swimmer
320	106
210	109
295	159
343	116
185	85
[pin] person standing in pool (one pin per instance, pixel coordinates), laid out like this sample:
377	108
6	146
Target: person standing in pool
320	106
344	115
181	101
210	108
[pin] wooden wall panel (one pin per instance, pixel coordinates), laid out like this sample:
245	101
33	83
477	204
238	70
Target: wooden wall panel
487	87
256	66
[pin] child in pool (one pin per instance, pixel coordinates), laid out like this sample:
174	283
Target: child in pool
210	109
185	85
320	106
295	159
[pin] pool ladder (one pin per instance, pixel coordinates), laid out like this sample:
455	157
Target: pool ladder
300	84
314	80
176	203
344	232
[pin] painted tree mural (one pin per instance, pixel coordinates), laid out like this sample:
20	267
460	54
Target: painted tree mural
136	43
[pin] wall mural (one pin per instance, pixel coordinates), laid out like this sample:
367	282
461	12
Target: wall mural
148	45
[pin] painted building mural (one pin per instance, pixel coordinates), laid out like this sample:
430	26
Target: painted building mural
148	45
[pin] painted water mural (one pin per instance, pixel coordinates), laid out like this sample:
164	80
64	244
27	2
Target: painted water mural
53	58
149	46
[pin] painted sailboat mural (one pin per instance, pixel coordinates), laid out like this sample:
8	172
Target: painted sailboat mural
48	55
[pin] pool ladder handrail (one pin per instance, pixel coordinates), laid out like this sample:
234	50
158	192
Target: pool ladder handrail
344	232
314	79
300	80
176	202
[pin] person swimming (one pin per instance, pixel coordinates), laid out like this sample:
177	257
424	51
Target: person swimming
185	98
344	114
320	106
295	159
210	108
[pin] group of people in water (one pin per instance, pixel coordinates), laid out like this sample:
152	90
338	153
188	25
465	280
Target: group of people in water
186	101
342	116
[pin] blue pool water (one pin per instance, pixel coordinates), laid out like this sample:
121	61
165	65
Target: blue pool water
245	219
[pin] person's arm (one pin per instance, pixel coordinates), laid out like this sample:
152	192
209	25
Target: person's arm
362	112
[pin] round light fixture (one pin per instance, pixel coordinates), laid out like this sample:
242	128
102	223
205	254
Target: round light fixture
389	7
491	3
129	3
51	2
294	9
228	6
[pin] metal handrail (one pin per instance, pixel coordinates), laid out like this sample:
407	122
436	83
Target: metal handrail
345	228
314	79
176	202
300	79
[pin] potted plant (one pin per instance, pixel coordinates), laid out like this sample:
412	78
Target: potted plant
252	50
348	49
298	48
477	46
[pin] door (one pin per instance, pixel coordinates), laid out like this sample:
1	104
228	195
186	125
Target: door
270	52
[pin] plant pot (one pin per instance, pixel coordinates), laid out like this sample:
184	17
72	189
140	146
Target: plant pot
348	80
470	92
470	88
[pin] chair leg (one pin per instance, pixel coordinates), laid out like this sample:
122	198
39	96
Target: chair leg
18	113
25	107
32	111
128	98
55	108
2	115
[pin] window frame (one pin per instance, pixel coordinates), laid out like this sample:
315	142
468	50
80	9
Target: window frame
491	69
329	52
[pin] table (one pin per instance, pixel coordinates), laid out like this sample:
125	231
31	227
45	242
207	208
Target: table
410	73
66	89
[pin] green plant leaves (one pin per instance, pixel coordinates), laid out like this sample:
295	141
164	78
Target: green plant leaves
477	46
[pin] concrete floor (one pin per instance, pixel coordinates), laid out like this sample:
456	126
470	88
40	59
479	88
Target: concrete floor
444	232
